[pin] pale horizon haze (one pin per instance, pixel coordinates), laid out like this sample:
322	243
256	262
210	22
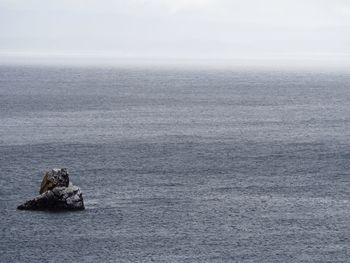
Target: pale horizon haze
302	33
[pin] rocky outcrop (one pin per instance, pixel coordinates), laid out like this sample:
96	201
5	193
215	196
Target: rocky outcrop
54	178
56	193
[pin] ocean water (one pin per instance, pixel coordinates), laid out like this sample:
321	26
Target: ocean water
177	165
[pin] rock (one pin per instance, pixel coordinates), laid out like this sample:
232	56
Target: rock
56	194
59	198
54	178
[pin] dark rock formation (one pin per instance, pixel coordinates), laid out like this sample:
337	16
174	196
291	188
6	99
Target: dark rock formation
54	178
56	193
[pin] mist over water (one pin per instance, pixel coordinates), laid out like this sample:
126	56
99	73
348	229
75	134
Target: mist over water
177	165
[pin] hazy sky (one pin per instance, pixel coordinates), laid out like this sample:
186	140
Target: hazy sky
301	30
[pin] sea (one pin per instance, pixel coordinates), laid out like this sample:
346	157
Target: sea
177	164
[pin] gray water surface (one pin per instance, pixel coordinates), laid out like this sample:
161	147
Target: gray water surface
177	165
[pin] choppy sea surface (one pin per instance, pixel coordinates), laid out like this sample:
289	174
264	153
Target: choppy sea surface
177	165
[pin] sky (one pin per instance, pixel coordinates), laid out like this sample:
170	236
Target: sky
235	31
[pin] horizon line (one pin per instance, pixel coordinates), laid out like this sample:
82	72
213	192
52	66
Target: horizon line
323	61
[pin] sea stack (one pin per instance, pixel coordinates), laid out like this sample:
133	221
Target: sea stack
56	193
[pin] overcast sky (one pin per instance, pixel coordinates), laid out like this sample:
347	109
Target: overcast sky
290	30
